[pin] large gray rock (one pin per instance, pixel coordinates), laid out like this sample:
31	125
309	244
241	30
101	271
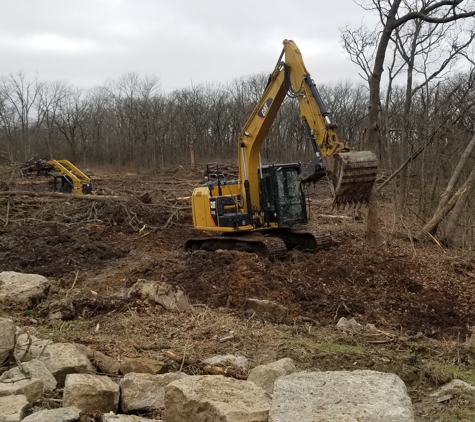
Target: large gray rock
25	289
7	338
215	398
123	418
91	393
264	376
13	408
349	324
145	392
32	389
86	351
63	414
239	362
29	347
358	396
64	358
170	298
141	365
267	309
62	309
35	369
105	364
455	384
101	361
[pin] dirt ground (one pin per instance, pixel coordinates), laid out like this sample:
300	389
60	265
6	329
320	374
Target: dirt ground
420	297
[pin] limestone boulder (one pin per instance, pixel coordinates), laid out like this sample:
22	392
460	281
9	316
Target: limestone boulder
91	393
145	392
64	358
62	309
105	364
172	299
34	368
142	365
25	289
455	384
86	351
29	347
266	309
215	398
7	338
31	388
239	362
63	414
363	396
102	362
349	325
264	376
13	408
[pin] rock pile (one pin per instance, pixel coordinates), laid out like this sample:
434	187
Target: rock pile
275	392
42	381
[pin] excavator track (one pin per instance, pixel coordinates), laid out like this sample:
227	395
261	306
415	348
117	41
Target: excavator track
270	247
273	244
303	239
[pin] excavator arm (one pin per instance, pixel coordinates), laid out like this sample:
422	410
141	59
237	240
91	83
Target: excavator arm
352	174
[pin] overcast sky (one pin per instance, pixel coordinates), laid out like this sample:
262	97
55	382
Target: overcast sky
183	42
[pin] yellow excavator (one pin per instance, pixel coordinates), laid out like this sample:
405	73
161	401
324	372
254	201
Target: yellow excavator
71	179
264	209
67	178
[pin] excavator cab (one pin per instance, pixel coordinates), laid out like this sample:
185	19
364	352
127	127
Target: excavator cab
281	195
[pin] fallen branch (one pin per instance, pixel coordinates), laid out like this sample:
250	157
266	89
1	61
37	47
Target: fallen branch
66	197
338	217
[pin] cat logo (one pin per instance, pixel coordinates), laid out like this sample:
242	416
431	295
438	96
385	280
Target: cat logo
264	109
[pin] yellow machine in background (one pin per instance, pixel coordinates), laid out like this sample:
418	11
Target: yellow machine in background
269	199
71	179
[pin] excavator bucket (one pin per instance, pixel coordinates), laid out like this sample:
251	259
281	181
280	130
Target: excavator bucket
352	175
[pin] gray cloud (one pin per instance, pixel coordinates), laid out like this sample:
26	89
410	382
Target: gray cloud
181	41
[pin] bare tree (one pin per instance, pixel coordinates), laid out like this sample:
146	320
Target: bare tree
392	16
71	120
19	113
50	100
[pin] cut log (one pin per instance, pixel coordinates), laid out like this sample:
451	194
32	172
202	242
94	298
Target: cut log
66	197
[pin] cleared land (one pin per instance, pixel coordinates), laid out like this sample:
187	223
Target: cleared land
419	297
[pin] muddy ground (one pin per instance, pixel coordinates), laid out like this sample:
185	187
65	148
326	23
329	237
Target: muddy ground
420	297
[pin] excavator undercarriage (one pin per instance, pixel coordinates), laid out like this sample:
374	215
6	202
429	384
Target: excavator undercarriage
274	244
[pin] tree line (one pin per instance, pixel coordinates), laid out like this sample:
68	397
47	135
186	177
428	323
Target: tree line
132	122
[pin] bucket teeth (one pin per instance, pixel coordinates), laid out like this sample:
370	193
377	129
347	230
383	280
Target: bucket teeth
352	175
